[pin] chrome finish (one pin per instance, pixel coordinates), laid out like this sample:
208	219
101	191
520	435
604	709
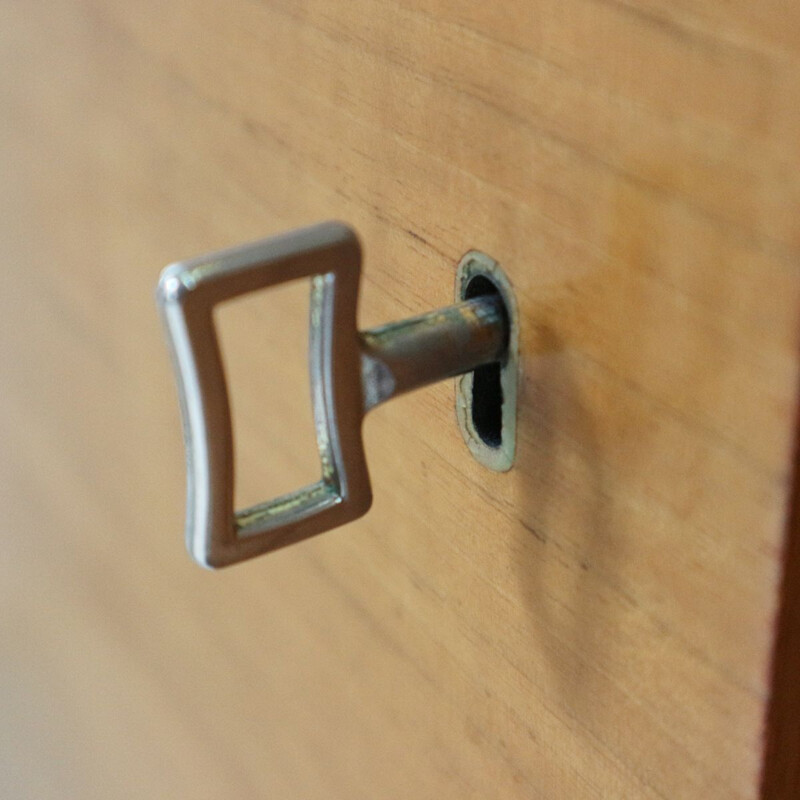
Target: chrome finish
351	373
407	355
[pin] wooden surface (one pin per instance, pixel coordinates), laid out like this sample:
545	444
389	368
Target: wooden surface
781	768
597	623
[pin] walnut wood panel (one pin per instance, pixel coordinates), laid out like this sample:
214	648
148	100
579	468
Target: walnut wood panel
599	622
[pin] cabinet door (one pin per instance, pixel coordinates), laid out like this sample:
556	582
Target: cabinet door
598	622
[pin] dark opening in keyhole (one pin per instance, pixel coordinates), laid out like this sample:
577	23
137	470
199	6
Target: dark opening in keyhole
487	388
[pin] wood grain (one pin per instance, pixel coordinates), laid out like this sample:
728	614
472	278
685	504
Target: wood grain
781	770
600	621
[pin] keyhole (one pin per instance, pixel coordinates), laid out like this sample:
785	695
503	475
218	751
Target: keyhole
487	388
486	399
